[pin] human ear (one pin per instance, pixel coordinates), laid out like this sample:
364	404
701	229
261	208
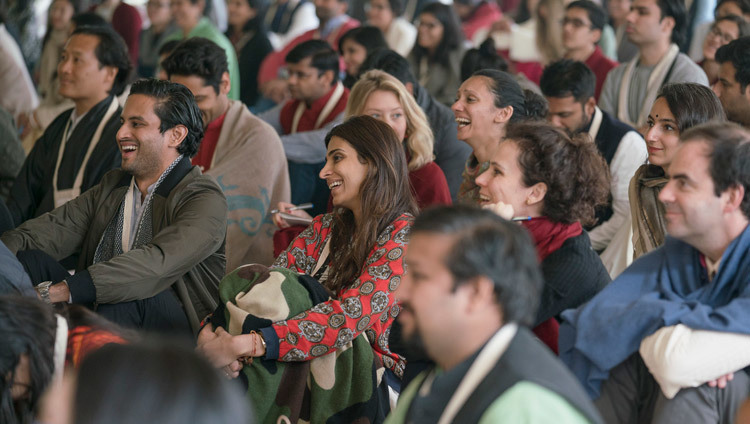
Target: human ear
225	85
536	195
504	114
177	135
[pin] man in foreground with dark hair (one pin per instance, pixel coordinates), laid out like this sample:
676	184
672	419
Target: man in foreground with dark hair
669	339
317	105
150	235
568	87
78	147
472	288
657	27
734	77
240	150
450	152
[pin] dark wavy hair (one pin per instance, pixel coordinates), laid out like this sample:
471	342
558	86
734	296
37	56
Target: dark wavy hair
729	158
507	92
575	173
567	77
486	245
737	52
385	194
369	37
453	35
321	54
111	51
175	105
27	327
692	104
198	57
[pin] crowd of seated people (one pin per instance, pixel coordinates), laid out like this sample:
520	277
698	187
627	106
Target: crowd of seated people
375	211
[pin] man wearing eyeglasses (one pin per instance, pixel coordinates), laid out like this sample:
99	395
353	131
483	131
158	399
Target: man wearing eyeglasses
582	28
317	105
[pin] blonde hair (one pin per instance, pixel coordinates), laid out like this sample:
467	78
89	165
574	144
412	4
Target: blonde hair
548	30
419	138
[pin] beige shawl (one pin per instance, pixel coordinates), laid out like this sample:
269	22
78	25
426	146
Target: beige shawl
649	227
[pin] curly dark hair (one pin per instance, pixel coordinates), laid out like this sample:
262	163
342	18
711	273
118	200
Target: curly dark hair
575	173
198	57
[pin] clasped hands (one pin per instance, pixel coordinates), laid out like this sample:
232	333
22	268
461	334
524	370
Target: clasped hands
228	352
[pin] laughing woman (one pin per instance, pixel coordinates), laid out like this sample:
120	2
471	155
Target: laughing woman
554	183
366	237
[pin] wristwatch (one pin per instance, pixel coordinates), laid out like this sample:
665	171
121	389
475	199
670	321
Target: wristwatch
43	290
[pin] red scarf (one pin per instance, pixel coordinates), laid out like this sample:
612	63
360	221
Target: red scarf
549	236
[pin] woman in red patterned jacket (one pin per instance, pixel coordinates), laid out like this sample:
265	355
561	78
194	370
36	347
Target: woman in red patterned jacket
366	235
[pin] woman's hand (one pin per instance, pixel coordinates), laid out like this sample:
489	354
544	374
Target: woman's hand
284	207
220	349
501	209
205	335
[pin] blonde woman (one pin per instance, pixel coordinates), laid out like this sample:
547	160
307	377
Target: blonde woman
383	97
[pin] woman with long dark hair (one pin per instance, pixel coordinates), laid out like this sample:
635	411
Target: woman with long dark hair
249	37
354	47
355	253
436	57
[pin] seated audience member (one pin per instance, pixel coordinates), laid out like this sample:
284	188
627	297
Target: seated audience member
354	47
334	23
251	44
485	104
481	269
132	228
12	153
386	15
126	21
153	37
657	28
554	183
618	15
19	95
153	382
437	54
287	19
383	97
569	89
674	344
188	16
734	78
241	151
37	344
677	108
723	31
318	102
582	28
476	15
723	9
366	239
78	147
450	153
487	57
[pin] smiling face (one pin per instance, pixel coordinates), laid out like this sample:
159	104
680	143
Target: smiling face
645	25
354	55
384	106
722	33
80	74
344	173
479	120
211	105
691	204
380	15
503	182
146	152
429	32
662	136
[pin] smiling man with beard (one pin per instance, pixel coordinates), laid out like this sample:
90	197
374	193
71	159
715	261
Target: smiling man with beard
472	287
150	235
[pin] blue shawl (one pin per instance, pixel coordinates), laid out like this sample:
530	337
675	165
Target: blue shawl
667	287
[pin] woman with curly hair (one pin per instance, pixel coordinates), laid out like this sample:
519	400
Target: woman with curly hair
551	184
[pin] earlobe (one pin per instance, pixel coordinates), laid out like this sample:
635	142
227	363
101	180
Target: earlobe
735	195
537	194
504	114
177	135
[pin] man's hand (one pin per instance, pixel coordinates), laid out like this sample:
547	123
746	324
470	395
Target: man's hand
206	335
722	381
220	351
